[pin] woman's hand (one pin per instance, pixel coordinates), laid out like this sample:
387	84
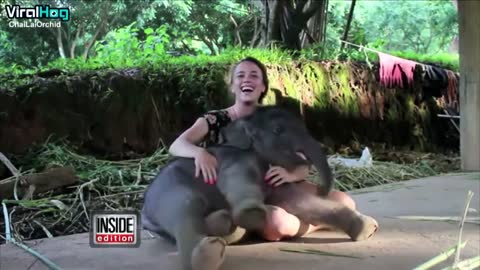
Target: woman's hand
207	164
277	176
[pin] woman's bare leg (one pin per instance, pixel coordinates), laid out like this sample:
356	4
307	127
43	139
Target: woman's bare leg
281	224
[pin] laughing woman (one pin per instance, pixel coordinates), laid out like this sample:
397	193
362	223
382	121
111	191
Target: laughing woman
249	84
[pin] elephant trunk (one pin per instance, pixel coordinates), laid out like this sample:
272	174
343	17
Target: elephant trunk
315	154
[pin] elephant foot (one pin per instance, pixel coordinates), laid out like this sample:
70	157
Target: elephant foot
219	223
209	254
251	215
362	228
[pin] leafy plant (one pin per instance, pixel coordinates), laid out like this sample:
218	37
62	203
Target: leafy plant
122	47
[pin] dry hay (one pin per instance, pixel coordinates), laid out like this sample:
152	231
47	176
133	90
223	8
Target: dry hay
406	166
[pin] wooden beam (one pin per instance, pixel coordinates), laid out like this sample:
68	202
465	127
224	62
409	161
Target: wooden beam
469	22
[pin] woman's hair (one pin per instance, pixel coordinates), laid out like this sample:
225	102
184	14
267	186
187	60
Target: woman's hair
262	68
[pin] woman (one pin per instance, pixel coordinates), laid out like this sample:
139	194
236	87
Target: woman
249	84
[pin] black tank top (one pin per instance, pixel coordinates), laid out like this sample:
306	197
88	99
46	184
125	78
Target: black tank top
216	119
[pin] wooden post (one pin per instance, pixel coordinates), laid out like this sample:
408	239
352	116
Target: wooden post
469	29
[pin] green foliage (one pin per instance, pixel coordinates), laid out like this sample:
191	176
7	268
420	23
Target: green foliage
206	28
347	99
447	60
416	30
89	22
122	48
317	76
6	47
195	27
421	26
14	69
152	54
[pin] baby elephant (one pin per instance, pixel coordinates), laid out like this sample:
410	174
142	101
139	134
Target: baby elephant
177	204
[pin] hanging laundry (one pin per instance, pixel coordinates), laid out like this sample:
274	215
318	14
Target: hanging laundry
391	68
443	85
436	74
435	81
451	97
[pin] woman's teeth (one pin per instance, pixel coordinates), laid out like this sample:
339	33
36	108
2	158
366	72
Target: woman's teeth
247	89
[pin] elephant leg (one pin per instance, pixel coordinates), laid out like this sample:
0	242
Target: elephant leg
241	186
220	223
321	212
183	218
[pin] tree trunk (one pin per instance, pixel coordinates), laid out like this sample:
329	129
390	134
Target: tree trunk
238	38
74	43
92	39
315	32
453	48
349	21
102	24
58	38
469	84
263	27
256	32
273	21
209	44
285	22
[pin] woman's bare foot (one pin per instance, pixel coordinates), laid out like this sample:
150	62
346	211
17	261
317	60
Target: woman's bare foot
209	254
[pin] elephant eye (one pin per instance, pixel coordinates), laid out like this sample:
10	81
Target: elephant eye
277	130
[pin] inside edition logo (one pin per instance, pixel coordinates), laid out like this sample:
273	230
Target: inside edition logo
114	229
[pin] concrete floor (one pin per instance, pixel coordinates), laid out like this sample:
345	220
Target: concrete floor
398	244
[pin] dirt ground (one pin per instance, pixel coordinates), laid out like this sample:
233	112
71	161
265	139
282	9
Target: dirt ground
398	244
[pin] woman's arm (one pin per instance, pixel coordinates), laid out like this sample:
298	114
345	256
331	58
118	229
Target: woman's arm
185	146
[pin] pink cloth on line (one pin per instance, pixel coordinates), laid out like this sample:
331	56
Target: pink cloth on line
390	73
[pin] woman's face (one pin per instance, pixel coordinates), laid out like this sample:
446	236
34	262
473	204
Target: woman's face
247	83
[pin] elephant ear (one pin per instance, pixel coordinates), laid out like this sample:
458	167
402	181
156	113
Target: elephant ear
237	134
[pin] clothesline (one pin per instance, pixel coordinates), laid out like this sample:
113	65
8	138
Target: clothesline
372	50
360	46
389	75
